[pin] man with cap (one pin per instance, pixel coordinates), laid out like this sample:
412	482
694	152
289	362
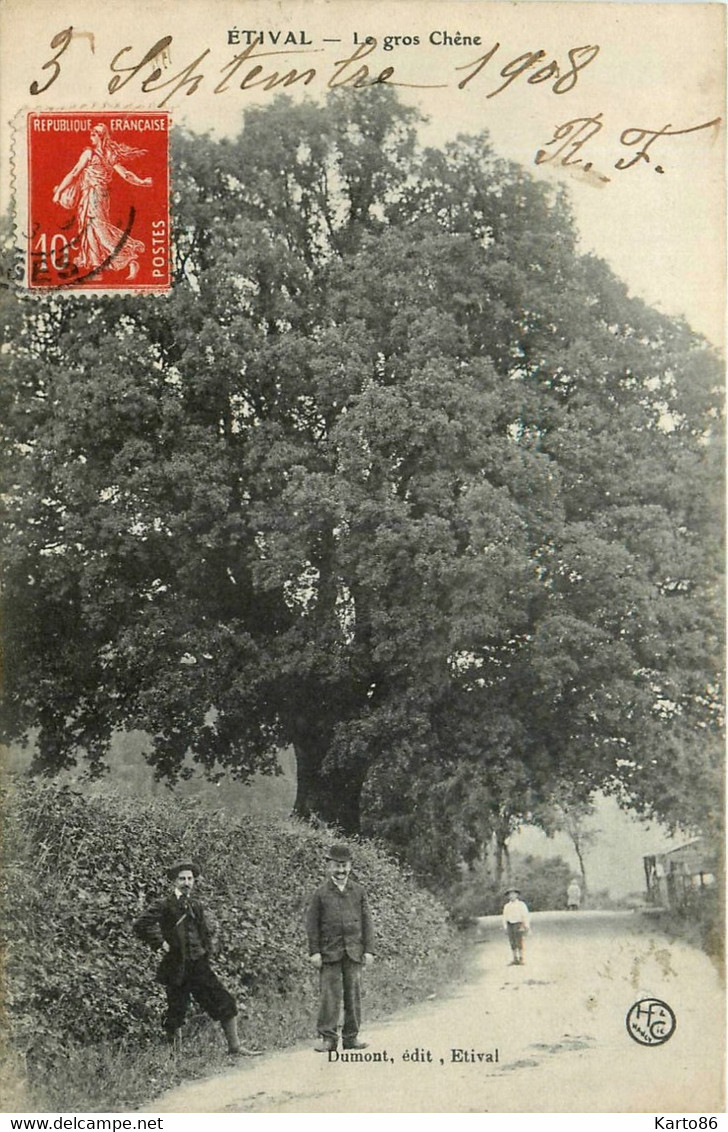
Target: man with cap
515	923
340	944
179	926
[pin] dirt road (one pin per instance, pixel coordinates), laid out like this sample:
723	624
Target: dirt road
551	1035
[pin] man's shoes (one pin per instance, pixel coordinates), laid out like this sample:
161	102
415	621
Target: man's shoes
241	1051
325	1047
355	1045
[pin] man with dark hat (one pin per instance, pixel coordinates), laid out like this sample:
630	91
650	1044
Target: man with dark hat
179	926
340	944
515	923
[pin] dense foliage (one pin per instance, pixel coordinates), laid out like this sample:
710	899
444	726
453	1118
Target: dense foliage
542	882
78	870
393	475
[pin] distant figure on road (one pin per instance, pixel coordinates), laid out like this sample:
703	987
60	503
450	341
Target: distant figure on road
573	896
179	926
515	923
340	944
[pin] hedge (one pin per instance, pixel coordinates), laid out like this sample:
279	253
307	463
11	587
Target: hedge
79	869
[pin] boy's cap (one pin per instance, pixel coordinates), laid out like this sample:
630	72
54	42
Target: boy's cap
341	853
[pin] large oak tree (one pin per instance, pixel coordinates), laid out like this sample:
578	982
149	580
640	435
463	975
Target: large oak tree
394	475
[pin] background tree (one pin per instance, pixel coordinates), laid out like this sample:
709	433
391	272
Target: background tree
393	475
567	811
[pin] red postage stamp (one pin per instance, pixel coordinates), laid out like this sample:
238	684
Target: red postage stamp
98	201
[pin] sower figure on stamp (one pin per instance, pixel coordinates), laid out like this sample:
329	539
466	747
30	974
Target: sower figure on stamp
340	944
515	923
185	932
86	189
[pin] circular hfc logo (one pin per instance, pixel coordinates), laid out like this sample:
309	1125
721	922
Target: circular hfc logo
651	1022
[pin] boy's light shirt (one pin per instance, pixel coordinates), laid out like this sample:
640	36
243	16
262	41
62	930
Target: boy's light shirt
515	912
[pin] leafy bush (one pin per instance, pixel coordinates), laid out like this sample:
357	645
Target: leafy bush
700	920
542	881
78	870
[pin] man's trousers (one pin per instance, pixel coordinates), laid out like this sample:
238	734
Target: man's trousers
337	979
202	983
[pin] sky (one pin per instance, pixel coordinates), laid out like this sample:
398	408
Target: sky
613	859
660	224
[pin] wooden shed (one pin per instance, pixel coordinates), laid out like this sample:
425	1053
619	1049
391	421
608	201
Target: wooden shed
675	877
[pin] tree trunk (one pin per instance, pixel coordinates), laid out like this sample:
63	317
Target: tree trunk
501	857
578	838
507	857
582	867
333	797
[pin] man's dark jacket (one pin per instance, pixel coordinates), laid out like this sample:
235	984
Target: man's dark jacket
339	923
162	921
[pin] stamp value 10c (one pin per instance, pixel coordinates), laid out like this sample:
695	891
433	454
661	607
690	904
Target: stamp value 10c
98	201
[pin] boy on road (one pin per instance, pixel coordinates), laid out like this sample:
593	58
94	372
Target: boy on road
515	923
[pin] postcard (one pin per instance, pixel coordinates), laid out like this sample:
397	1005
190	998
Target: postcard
363	384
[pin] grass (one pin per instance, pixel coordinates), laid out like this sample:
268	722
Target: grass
14	1095
702	930
125	1077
